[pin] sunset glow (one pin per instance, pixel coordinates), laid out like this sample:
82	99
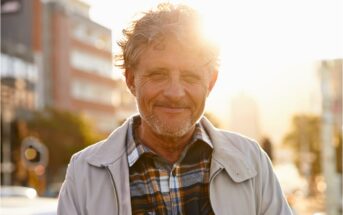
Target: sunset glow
269	50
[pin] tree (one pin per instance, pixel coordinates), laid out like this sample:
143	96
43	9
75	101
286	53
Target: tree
304	139
62	132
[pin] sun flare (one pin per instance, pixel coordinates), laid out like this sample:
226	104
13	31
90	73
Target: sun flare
269	49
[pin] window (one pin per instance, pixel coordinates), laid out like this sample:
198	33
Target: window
88	91
91	63
18	68
98	38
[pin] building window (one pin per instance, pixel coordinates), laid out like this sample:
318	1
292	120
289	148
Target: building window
91	63
97	38
17	68
105	122
89	91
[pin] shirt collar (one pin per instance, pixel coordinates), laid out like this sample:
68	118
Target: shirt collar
135	149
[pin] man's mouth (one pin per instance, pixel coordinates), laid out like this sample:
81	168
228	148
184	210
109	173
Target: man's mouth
172	108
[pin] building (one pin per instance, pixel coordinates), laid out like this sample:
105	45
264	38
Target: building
53	55
78	68
331	132
19	72
64	60
19	69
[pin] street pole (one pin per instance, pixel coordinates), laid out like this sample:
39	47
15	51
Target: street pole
328	153
6	166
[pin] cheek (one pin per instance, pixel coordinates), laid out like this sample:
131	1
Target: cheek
146	92
198	94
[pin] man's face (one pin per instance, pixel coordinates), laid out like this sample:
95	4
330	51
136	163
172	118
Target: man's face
171	86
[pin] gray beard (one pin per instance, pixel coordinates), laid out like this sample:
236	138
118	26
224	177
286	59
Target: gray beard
162	128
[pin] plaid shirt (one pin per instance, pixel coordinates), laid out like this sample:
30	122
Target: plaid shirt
158	187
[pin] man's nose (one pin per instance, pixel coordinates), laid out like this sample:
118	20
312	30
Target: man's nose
174	90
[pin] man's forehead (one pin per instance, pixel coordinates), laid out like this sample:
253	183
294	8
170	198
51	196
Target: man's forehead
186	45
163	43
164	57
180	50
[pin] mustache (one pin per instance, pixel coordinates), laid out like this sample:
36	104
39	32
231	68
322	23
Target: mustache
171	104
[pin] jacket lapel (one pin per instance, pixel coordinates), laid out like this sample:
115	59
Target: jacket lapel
110	149
227	156
120	174
111	154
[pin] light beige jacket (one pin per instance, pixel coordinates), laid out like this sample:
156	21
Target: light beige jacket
242	181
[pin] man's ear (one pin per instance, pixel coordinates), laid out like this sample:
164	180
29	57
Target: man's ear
213	80
130	81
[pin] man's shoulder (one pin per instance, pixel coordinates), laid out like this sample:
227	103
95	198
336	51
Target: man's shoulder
238	141
88	151
222	136
105	151
238	138
236	152
229	140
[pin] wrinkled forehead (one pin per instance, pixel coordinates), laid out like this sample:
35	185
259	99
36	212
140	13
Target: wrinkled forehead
186	46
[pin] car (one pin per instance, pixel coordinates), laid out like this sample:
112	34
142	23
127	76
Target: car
17	200
18	191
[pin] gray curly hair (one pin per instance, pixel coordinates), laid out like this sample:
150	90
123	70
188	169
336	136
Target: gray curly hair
167	20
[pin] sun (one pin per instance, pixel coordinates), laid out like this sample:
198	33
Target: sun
267	48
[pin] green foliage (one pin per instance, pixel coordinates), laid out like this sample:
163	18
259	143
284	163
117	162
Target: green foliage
305	136
304	139
339	150
64	133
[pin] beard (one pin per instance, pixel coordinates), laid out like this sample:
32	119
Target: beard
171	127
167	129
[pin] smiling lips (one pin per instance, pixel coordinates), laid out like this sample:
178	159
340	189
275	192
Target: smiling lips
169	108
173	110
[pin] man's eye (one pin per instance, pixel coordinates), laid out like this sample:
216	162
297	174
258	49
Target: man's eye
191	78
157	75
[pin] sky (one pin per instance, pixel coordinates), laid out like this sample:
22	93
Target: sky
270	51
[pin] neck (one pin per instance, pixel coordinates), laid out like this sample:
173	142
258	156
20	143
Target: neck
169	148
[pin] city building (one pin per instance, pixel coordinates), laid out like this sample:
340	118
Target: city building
62	59
54	56
331	132
78	68
19	72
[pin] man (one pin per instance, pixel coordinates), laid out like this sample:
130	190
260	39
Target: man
169	159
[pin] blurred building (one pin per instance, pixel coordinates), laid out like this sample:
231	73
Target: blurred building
53	55
64	60
334	67
331	133
77	65
19	71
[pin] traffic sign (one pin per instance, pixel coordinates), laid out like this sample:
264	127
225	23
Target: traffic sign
34	153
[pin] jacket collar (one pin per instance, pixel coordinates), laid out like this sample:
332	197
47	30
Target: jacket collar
111	149
227	156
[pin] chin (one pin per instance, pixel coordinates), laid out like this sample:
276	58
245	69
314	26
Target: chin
173	132
172	127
